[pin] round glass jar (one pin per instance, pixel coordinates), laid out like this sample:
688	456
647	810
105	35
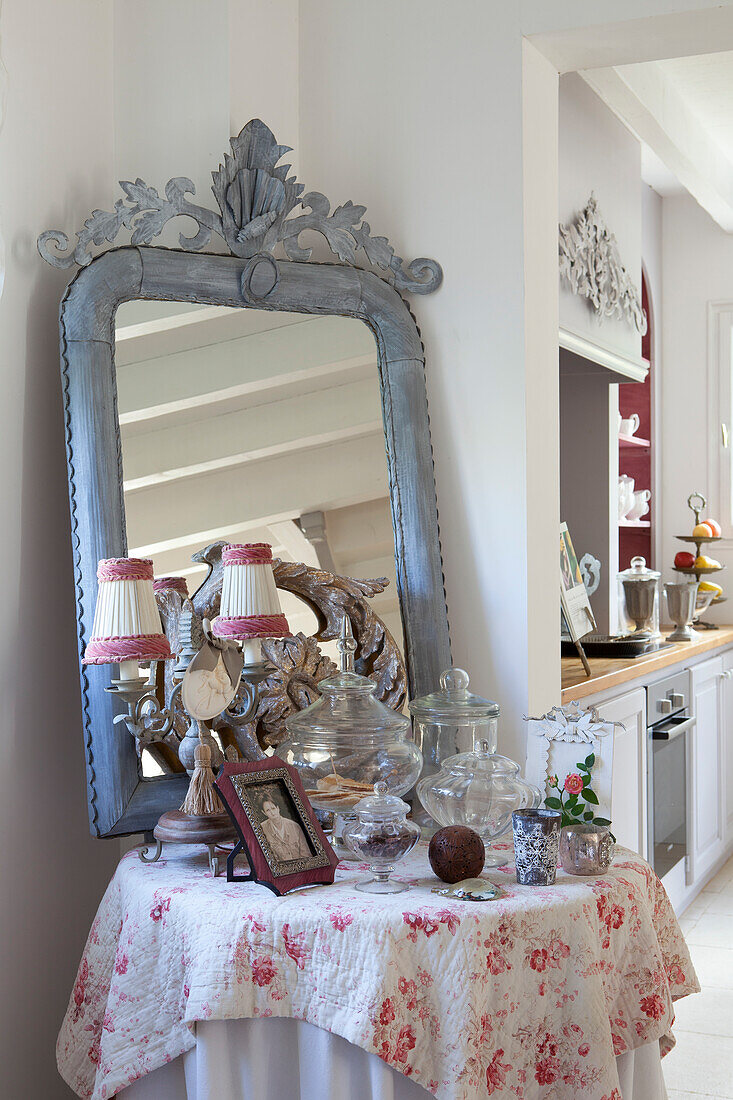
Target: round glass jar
381	835
479	789
347	741
452	720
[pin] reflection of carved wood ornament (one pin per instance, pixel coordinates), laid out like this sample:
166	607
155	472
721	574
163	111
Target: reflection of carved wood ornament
590	262
299	663
254	196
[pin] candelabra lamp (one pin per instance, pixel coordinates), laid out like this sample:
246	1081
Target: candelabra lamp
220	671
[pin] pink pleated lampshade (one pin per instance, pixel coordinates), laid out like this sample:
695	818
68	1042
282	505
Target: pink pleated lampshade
127	623
250	606
166	584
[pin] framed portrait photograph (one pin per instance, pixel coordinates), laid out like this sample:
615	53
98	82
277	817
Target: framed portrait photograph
277	827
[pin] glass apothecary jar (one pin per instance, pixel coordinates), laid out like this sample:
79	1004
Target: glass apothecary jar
638	600
347	740
381	835
480	789
452	720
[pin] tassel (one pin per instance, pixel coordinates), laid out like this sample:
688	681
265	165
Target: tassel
201	798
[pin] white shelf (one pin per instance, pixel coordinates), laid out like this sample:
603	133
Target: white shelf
633	441
634	523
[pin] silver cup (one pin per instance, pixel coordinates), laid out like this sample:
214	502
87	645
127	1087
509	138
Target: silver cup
536	840
681	599
585	849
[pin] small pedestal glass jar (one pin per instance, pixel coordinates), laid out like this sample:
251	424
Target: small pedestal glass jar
381	835
479	789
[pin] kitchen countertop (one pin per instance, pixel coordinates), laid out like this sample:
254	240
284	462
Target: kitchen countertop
607	672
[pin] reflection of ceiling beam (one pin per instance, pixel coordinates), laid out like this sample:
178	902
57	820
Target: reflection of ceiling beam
195	372
335	476
647	101
294	542
212	437
291	448
260	391
198	328
313	526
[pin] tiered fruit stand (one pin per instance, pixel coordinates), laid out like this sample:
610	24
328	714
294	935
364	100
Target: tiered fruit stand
700	572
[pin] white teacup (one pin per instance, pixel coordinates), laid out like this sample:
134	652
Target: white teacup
640	507
630	426
625	494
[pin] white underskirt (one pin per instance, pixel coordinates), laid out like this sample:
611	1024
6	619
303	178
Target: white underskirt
283	1059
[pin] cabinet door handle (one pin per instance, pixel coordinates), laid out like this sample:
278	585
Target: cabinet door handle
724	434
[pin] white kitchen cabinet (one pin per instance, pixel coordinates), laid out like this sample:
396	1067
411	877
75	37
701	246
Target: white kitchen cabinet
705	762
629	795
726	745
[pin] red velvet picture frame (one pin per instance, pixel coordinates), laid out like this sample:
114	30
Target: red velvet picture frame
239	785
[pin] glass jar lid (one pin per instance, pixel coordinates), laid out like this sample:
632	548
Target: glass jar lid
381	806
481	763
347	706
454	703
638	571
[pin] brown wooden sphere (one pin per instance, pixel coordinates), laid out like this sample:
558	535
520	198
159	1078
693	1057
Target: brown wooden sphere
456	852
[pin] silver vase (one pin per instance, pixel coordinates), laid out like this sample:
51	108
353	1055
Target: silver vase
586	849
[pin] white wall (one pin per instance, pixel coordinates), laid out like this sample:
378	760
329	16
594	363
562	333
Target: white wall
652	260
438	163
55	156
598	155
697	269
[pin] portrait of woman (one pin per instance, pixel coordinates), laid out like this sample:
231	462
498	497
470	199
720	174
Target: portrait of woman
283	834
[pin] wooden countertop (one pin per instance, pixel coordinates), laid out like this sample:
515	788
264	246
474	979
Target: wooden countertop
608	673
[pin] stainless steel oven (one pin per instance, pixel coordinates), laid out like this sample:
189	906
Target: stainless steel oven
668	724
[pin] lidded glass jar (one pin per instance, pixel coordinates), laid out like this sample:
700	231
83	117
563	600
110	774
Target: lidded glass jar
638	600
381	835
347	740
452	720
480	789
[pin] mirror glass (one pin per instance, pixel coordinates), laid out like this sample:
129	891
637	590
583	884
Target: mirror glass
254	426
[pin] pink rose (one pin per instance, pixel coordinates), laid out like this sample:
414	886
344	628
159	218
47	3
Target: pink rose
547	1071
573	783
653	1006
341	921
405	1043
263	970
538	959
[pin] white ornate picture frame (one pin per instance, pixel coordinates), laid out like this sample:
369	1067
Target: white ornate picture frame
559	740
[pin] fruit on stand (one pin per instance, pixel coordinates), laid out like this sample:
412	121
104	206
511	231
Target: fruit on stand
714	527
702	531
702	561
708	586
684	560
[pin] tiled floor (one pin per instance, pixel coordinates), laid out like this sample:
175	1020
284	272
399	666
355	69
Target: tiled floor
701	1065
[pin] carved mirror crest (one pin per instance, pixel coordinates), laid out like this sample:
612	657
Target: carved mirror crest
231	396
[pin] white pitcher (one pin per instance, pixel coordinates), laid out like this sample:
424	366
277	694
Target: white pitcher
640	505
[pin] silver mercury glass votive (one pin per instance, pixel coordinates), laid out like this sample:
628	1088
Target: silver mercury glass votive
536	841
586	849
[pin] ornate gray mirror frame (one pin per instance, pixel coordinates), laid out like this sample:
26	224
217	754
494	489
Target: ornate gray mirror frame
255	195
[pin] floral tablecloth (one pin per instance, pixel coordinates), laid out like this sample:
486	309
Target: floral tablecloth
528	997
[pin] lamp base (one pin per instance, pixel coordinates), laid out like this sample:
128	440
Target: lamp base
175	827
